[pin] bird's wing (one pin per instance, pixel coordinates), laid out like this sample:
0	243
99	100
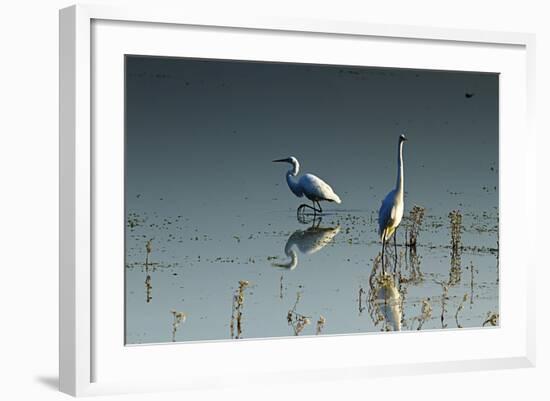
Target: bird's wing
315	187
386	212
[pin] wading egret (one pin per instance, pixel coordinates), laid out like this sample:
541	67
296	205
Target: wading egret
314	188
391	211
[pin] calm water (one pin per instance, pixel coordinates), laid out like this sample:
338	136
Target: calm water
228	257
195	266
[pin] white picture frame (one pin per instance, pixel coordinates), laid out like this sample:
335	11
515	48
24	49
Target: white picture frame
95	361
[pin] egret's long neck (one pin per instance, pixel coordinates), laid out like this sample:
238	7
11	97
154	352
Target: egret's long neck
292	184
399	184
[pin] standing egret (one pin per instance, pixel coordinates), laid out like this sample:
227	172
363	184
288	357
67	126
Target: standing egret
391	211
314	188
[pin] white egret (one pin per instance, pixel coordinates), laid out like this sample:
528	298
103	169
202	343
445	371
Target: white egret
314	188
391	210
308	242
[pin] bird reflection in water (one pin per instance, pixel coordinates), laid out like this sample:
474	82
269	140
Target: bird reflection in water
385	303
308	242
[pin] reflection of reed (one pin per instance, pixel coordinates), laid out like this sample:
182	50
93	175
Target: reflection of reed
415	218
148	249
308	242
361	294
492	319
297	320
472	271
320	324
412	265
178	319
236	310
498	259
148	288
148	285
444	299
456	230
460	307
425	314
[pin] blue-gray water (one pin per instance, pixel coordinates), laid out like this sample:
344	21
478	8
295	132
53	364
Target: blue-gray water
201	186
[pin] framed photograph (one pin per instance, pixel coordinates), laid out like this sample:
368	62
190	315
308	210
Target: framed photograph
237	191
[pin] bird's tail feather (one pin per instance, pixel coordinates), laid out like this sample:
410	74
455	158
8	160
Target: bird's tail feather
387	233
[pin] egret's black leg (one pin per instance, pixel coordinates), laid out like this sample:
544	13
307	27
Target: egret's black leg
316	223
319	205
395	248
301	215
302	206
383	246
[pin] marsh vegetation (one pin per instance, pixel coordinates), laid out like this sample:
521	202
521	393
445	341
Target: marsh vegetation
321	277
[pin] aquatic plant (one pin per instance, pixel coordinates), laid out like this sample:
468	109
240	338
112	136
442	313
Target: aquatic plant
236	309
492	319
455	272
295	319
320	324
444	299
456	229
460	307
425	313
178	319
134	220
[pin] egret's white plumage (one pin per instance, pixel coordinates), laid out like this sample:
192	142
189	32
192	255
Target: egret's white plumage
391	210
315	189
309	185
